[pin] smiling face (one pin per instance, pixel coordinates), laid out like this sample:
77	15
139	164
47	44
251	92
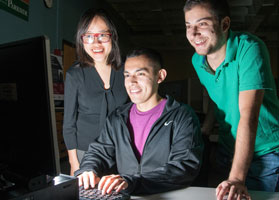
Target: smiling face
98	51
142	82
203	30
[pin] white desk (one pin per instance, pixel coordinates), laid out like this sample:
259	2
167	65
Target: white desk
203	193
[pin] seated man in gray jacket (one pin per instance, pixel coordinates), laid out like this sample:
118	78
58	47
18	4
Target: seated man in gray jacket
154	143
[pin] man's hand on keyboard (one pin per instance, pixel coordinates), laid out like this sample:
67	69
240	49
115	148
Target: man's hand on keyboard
112	182
88	179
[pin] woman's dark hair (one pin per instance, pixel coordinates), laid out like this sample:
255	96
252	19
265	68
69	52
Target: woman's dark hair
219	8
114	58
151	54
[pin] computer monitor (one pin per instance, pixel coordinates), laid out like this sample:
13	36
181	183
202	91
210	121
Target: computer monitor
28	144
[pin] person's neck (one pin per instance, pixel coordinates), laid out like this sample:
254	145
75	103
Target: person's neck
102	66
146	106
104	72
215	59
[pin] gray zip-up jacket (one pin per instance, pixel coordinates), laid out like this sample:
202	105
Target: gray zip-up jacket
171	157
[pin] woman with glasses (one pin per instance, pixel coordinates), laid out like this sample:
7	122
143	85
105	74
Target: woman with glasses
94	86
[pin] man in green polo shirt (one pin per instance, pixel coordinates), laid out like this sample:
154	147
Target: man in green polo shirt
235	69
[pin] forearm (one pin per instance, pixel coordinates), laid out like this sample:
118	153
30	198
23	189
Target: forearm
172	175
73	160
72	154
249	106
244	150
149	183
98	158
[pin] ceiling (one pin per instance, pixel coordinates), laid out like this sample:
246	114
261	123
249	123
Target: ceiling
160	23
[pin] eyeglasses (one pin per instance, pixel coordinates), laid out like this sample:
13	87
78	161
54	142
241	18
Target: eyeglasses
89	38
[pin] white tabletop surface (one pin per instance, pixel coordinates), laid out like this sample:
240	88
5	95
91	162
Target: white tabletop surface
203	193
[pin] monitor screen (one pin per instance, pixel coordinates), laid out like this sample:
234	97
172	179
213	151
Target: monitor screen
28	144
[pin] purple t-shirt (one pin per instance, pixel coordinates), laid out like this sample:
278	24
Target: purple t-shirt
140	124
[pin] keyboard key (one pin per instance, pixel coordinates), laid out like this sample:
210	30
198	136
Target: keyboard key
95	194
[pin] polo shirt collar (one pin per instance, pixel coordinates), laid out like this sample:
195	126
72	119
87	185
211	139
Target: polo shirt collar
205	66
231	50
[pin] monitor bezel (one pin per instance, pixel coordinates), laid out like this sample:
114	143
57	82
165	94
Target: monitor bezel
54	167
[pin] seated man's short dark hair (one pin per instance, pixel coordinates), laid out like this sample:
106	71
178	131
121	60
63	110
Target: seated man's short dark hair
153	55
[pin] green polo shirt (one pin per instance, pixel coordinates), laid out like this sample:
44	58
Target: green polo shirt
246	67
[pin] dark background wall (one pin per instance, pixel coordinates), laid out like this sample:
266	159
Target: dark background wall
58	23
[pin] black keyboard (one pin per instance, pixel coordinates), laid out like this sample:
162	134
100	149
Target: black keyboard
94	194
